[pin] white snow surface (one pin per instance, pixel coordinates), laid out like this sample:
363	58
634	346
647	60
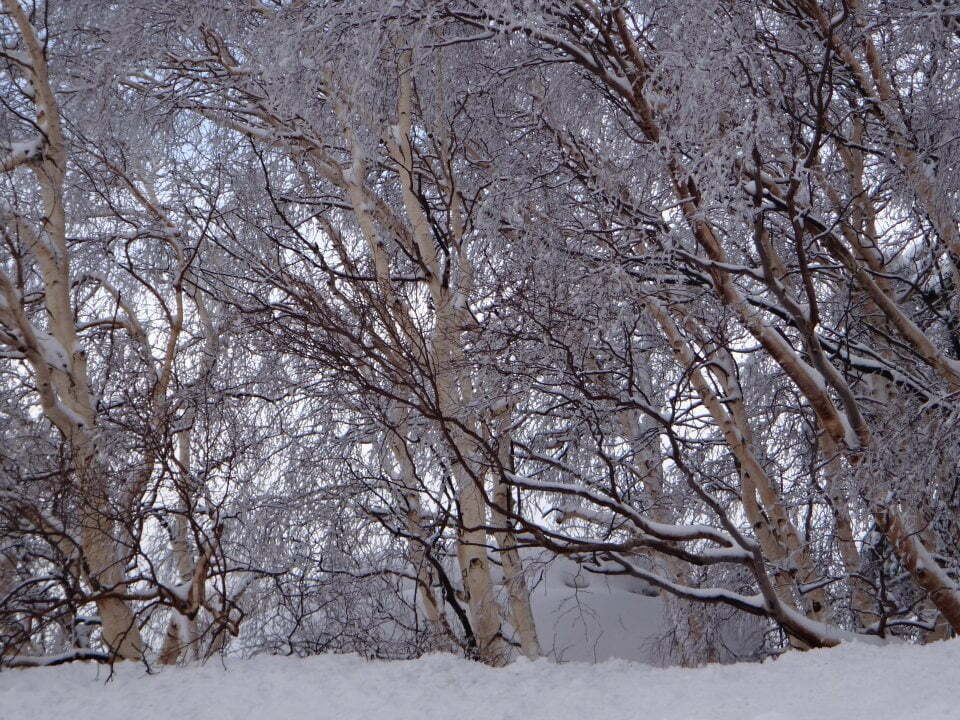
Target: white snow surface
850	682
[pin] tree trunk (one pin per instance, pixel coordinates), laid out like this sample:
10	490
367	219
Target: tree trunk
922	566
105	571
521	611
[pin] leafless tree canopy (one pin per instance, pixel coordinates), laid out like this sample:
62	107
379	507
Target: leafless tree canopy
319	321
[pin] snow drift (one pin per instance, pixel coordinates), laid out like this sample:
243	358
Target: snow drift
846	683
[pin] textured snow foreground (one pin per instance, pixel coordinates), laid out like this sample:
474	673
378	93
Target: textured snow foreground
857	681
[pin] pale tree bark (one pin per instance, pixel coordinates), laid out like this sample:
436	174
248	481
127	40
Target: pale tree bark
778	537
874	81
839	429
922	566
440	358
867	265
182	631
514	579
860	601
453	389
472	536
62	380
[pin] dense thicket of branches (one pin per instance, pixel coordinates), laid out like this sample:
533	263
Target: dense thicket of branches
314	316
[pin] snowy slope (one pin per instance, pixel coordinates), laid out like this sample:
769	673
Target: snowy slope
848	683
589	618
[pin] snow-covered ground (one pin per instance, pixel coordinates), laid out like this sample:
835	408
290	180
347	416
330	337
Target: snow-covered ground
848	683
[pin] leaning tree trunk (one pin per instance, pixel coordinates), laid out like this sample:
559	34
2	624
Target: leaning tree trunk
59	367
